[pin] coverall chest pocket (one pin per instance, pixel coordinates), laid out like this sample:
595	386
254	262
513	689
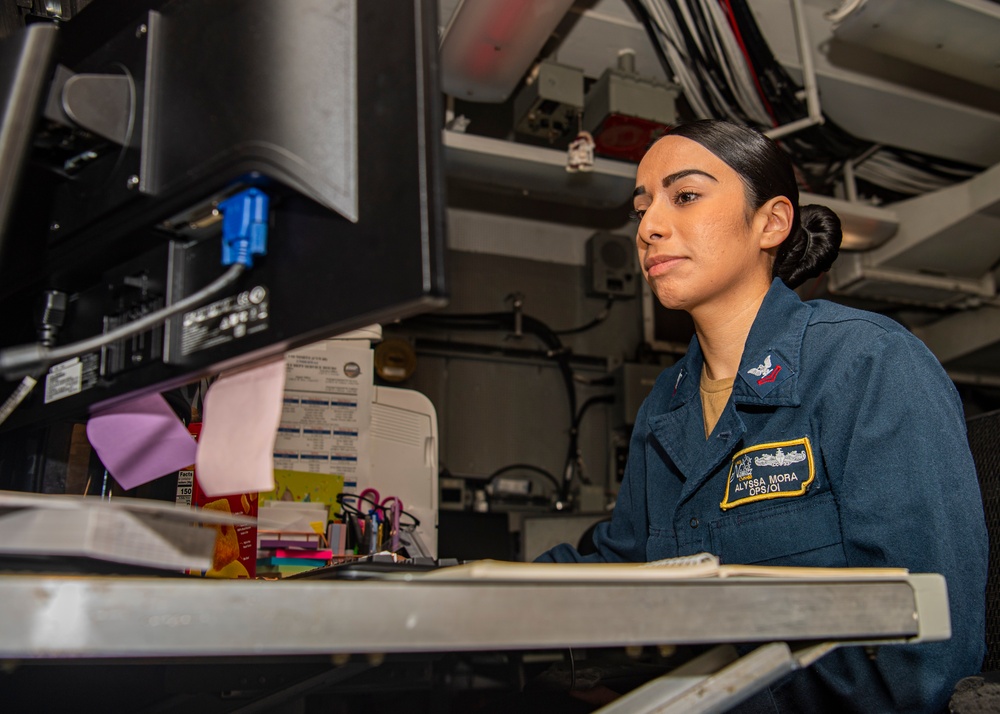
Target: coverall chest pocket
801	531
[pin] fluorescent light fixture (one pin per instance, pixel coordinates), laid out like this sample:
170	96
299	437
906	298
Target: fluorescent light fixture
489	45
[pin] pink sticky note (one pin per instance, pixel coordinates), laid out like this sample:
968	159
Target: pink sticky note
140	440
239	424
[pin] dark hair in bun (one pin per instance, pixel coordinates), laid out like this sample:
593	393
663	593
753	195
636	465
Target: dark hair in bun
766	171
810	248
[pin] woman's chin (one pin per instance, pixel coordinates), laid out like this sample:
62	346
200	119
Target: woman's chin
669	296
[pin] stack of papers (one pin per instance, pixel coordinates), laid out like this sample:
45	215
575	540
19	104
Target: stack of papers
154	534
291	537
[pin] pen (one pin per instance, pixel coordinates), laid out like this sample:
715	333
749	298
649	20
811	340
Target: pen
370	531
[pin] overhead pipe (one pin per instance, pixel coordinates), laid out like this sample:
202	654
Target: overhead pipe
814	111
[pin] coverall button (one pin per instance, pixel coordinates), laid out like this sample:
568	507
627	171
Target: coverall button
694	522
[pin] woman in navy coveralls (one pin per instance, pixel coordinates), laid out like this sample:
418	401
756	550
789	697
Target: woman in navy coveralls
835	439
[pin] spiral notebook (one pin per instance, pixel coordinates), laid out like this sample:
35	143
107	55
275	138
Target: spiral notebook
700	565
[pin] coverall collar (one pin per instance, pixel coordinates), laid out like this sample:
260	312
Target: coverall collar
768	376
777	333
769	368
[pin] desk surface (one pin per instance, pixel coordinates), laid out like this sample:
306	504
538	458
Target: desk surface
95	617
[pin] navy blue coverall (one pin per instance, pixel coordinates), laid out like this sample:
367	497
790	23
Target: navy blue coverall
843	445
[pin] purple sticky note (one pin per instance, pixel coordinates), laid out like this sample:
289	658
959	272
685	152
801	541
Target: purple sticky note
141	440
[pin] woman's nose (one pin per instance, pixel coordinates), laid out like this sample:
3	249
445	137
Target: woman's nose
653	226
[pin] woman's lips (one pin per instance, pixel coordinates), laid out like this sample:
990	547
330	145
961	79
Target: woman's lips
659	265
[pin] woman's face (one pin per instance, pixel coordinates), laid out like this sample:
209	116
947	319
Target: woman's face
698	243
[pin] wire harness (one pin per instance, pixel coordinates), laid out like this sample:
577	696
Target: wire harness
245	220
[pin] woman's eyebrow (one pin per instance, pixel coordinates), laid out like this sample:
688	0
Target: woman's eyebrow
672	178
667	180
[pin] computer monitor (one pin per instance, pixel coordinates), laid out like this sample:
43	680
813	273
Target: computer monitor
152	113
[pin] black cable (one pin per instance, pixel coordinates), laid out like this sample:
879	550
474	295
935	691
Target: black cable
780	91
819	152
506	321
574	444
525	467
942	168
599	399
717	72
827	144
654	31
354	510
25	359
598	319
705	71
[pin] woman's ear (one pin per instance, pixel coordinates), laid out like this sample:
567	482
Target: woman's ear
777	215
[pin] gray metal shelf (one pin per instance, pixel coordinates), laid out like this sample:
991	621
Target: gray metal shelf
69	617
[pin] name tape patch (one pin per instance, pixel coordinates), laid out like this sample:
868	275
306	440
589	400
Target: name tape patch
778	469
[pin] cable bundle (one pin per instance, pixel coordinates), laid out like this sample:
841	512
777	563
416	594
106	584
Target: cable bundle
555	350
715	51
705	58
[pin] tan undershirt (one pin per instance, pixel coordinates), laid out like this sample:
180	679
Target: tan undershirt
714	397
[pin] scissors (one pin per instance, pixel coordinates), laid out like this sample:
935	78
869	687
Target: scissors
380	506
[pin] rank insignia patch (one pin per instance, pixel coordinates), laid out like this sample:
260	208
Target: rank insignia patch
776	470
768	374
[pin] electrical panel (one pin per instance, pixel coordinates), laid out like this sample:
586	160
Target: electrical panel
550	105
625	112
